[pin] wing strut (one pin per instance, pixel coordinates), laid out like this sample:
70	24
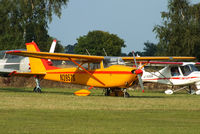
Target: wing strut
87	71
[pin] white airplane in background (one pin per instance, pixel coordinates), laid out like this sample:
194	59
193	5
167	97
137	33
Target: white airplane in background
175	74
10	63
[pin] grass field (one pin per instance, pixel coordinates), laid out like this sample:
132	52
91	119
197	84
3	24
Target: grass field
57	111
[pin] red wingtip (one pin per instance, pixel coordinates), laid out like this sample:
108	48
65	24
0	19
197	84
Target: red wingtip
14	51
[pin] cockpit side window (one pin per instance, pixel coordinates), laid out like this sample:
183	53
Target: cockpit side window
94	66
108	61
193	68
2	55
90	66
186	70
175	71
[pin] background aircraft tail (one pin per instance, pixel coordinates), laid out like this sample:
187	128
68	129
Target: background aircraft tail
36	64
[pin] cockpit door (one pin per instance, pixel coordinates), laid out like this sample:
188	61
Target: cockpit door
186	70
175	71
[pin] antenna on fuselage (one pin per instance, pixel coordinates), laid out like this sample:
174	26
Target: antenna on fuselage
87	51
105	52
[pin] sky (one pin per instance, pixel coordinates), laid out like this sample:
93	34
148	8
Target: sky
131	20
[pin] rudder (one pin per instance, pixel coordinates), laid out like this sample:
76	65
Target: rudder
36	64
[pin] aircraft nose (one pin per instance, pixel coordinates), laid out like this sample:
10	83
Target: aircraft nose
137	71
133	71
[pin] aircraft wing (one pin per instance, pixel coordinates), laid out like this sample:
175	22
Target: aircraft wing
2	64
157	58
57	56
86	58
197	63
160	63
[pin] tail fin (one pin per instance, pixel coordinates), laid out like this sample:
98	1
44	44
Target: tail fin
36	64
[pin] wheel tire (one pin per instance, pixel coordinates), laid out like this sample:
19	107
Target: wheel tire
107	93
126	95
35	89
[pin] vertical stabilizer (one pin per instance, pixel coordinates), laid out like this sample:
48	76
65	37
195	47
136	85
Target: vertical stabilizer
53	46
36	64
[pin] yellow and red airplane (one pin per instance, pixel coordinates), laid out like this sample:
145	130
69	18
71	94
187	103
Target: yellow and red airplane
95	71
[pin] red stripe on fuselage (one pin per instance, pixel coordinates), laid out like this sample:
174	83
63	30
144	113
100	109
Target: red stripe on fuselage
93	72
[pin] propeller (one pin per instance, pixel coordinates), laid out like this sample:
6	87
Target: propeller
138	72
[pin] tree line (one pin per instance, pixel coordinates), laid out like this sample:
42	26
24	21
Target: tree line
26	20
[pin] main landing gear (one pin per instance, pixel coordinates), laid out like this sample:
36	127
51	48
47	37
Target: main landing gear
189	89
37	88
117	92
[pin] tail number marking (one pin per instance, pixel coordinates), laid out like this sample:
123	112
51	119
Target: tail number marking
67	77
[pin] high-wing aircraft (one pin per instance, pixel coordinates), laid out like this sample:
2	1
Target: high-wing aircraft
175	74
10	63
96	71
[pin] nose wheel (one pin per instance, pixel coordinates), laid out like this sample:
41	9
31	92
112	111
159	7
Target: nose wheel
126	94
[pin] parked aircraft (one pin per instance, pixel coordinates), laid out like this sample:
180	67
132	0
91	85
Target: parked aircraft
175	74
10	63
96	71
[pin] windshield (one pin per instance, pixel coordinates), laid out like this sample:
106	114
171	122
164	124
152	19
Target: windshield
193	68
108	61
187	69
2	53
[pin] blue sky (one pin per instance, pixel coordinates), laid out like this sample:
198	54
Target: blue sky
131	20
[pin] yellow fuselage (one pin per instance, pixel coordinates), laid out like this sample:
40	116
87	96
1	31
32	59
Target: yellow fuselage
113	76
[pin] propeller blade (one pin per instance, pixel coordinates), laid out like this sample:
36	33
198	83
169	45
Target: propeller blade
140	82
134	59
139	74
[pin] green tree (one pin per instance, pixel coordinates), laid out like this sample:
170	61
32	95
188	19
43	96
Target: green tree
96	41
150	49
27	20
69	49
179	33
10	30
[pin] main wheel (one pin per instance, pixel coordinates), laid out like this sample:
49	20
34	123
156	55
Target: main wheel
107	92
126	95
35	89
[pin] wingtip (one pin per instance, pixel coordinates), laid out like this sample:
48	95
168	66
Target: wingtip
13	51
